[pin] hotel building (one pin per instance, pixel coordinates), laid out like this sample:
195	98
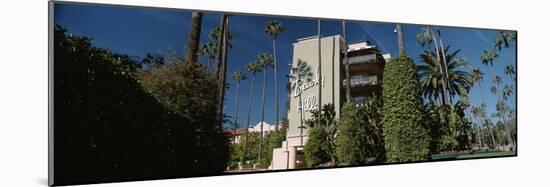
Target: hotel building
366	69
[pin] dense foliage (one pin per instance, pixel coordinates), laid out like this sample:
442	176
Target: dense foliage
248	155
406	135
351	141
107	127
316	148
323	143
371	118
169	85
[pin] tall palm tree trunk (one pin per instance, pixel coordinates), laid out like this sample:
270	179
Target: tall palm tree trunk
220	68
482	99
276	87
319	76
445	67
490	129
400	43
348	79
443	82
194	37
236	112
263	115
248	116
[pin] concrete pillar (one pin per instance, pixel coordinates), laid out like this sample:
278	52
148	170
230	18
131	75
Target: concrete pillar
291	157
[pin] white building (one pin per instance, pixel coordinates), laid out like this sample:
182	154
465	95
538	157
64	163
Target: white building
237	136
311	89
258	128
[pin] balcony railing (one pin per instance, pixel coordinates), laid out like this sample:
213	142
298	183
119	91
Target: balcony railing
363	59
364	81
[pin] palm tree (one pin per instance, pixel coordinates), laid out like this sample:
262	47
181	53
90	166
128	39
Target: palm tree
432	79
208	50
504	39
253	68
488	57
511	72
221	71
445	64
425	38
214	35
273	29
477	77
507	91
477	125
194	37
238	76
500	110
480	114
489	126
346	61
299	74
266	61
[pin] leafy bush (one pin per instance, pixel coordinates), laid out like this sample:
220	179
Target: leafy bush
321	150
107	127
351	141
448	143
371	117
315	150
406	136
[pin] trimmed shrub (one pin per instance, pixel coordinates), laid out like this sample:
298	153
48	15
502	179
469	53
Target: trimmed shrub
406	136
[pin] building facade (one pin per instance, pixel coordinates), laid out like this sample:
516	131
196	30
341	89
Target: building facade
313	83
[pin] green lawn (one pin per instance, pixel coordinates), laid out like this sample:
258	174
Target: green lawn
447	156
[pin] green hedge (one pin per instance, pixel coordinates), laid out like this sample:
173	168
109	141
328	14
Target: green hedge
406	135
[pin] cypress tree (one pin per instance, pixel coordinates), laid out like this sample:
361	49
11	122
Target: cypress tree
406	136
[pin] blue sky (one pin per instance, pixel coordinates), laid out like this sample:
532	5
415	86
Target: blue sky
138	31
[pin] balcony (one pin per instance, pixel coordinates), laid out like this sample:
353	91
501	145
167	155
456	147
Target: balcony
363	59
363	81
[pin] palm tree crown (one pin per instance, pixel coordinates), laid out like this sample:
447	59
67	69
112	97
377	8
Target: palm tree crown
238	76
208	50
424	37
509	70
254	67
477	76
301	71
507	91
488	57
497	80
504	39
215	34
273	28
460	79
266	60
